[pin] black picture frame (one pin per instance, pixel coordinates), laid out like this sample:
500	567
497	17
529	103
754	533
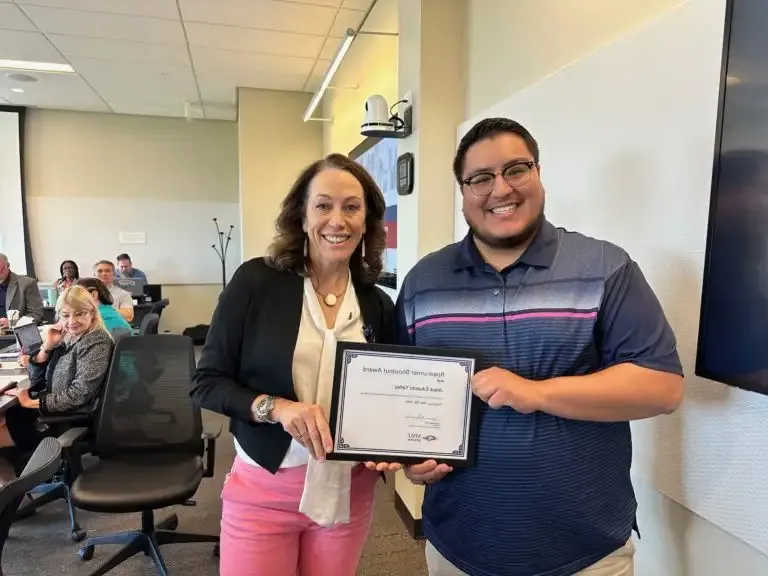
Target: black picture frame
365	456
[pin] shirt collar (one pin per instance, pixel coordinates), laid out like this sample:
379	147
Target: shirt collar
541	251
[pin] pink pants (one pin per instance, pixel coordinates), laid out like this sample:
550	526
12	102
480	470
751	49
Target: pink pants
264	534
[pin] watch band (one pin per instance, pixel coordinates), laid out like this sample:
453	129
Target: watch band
263	412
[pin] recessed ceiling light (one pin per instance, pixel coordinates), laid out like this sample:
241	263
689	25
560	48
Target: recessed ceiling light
18	90
36	66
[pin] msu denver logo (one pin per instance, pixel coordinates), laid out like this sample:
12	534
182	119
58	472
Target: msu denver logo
417	437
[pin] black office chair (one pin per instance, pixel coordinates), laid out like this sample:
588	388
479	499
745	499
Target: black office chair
75	429
158	307
151	454
150	324
72	430
120	333
44	462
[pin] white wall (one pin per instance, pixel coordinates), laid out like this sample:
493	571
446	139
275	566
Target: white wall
627	156
533	38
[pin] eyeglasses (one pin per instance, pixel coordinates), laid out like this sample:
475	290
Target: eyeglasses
516	175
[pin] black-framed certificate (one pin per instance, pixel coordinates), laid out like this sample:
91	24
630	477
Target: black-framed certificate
403	404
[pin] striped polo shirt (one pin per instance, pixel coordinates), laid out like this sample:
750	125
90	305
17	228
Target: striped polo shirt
548	496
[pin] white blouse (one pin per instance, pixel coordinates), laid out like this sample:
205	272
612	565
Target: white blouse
327	484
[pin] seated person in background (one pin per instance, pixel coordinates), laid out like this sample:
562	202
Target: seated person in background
121	300
126	269
18	292
67	373
103	300
69	273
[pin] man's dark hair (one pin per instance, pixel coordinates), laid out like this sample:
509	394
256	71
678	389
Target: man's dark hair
124	256
490	128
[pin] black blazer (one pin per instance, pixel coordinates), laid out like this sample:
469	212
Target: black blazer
249	351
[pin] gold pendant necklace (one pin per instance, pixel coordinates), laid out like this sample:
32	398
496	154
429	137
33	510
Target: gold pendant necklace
330	298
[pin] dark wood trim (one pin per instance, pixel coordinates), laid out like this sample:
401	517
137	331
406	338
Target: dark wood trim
412	524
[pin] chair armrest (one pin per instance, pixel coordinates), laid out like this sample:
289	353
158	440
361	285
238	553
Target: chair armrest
72	417
210	433
71	436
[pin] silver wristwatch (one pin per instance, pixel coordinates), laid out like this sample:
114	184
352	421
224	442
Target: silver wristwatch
263	412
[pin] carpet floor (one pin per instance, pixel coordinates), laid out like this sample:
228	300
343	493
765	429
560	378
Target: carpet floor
40	545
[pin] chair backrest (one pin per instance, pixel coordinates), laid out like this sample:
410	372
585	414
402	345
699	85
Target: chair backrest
158	307
150	324
120	333
41	467
146	405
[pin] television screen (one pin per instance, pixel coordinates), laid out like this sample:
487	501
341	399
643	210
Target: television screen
379	157
733	329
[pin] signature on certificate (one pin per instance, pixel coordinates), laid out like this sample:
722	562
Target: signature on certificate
422	421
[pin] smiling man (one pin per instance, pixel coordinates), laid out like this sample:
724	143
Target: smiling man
574	345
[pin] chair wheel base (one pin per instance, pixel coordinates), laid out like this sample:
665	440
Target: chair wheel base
85	553
78	535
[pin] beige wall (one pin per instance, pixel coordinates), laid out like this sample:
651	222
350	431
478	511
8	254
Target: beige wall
80	154
275	144
514	44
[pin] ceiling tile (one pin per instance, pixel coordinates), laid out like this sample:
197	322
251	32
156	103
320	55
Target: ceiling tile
251	40
30	46
139	82
152	8
357	4
330	47
346	19
333	3
120	50
103	25
211	59
12	18
317	75
64	91
263	14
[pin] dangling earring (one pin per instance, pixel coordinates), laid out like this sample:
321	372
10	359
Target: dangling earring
362	252
306	247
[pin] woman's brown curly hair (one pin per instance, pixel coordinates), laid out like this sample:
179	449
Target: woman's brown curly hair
287	250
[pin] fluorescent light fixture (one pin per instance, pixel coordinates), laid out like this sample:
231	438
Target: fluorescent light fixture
349	36
18	90
36	66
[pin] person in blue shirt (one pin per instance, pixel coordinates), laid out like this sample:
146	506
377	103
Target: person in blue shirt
572	345
125	269
103	299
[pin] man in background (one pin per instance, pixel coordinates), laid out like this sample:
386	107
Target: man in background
121	300
126	269
18	292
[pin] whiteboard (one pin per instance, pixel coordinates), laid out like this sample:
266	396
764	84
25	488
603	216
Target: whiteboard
170	241
627	139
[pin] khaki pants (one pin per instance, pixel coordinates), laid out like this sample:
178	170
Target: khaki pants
620	563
